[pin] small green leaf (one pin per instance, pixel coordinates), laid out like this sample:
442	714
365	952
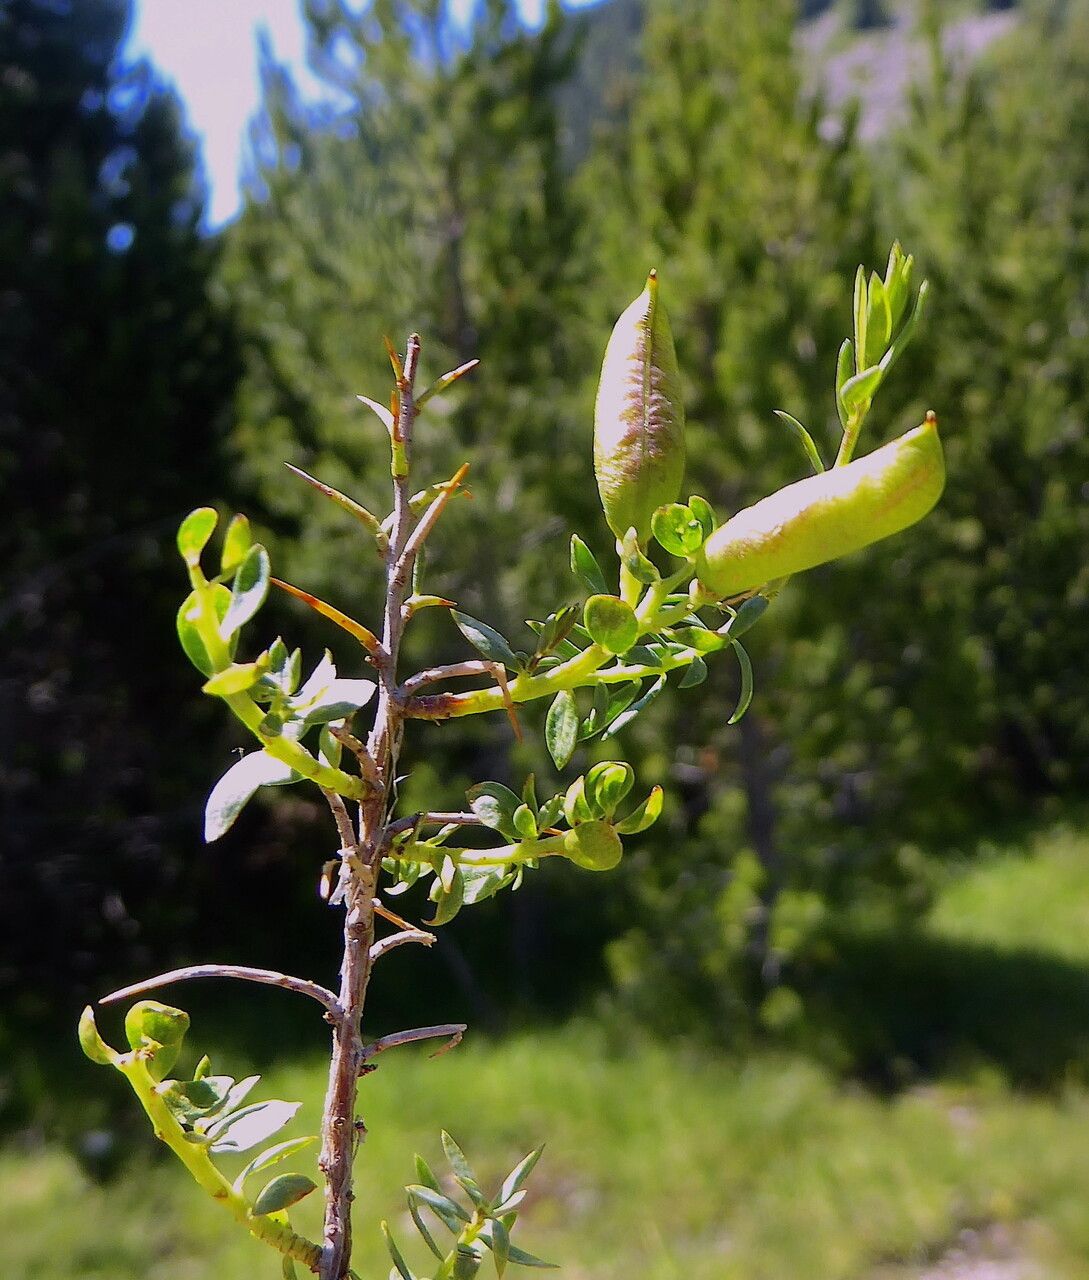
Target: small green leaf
845	365
330	748
858	391
516	1179
645	816
516	1255
529	793
448	1211
525	822
904	337
424	1175
613	701
704	513
611	623
485	640
282	1192
500	1245
338	700
640	568
494	804
271	1156
626	717
878	320
234	790
745	695
677	529
562	728
861	312
421	1227
236	678
606	785
188	633
194	532
461	1170
747	615
244	1129
575	806
698	638
809	448
585	567
556	628
236	543
395	1253
549	813
92	1043
251	584
696	674
447	893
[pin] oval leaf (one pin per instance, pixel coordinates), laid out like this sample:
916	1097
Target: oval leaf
194	532
485	640
281	1192
188	634
232	792
271	1156
562	728
251	584
246	1128
585	567
611	623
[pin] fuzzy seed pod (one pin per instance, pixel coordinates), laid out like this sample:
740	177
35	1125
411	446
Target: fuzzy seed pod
639	418
827	515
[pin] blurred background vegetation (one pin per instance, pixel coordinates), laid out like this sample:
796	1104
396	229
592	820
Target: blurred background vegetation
863	915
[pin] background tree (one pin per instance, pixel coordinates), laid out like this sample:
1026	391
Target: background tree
115	368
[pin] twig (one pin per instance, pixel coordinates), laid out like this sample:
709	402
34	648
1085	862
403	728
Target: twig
473	667
453	1031
380	909
348	841
383	945
348	739
269	977
414	820
430	517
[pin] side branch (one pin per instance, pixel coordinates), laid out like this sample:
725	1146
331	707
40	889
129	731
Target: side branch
268	977
451	1031
430	517
394	940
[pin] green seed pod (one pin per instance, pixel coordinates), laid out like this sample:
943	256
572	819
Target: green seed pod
594	846
639	418
827	515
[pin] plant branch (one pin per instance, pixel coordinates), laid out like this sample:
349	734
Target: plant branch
268	977
452	1031
394	940
339	1130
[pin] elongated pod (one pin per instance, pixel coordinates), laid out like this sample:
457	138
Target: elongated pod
639	418
827	515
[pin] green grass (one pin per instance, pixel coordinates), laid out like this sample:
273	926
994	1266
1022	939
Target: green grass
662	1162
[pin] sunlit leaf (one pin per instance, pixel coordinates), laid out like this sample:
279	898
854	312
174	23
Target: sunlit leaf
233	791
562	728
282	1192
